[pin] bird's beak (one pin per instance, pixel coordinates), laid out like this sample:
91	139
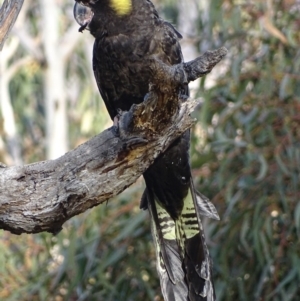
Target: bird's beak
83	15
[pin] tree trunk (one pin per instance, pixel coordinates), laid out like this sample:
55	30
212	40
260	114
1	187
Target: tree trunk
188	13
54	82
9	123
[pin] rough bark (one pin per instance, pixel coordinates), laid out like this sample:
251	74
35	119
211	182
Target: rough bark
42	196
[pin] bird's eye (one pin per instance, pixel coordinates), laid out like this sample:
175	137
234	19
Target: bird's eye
83	15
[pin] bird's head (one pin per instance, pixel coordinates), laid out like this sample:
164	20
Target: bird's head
84	10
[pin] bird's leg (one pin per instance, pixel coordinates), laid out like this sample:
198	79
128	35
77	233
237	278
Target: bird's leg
183	97
117	117
116	123
116	120
123	124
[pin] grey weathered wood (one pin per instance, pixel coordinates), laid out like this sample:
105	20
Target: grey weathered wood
42	196
9	12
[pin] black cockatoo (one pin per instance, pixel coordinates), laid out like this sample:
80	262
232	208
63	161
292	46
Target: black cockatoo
127	33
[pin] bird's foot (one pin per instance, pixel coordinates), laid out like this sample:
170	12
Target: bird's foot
117	117
183	97
116	122
124	123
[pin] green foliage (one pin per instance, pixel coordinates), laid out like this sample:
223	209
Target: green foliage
245	157
251	137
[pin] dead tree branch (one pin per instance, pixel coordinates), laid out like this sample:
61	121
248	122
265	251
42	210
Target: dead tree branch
9	12
42	196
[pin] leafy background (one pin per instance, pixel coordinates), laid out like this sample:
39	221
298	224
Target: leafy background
245	156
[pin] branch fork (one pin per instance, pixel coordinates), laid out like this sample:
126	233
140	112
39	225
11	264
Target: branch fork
42	196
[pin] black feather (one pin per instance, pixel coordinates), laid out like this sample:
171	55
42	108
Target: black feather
123	47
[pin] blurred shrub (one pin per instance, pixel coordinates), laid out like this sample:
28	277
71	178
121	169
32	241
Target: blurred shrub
104	254
248	161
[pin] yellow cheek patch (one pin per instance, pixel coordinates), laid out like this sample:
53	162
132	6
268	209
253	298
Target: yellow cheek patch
121	7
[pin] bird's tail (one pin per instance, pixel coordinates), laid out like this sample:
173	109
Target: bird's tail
183	261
